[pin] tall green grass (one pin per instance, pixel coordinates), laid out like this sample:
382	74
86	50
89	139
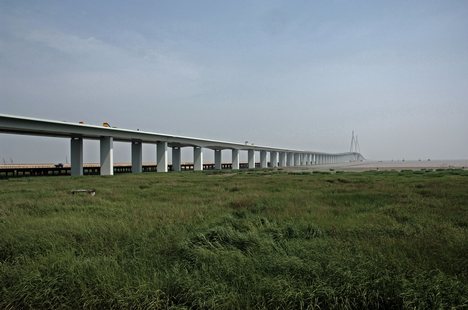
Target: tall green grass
236	240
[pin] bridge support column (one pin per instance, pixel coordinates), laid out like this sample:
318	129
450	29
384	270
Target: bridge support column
197	158
107	155
161	156
263	159
290	160
137	157
176	159
282	159
217	157
235	159
251	158
76	154
296	159
274	159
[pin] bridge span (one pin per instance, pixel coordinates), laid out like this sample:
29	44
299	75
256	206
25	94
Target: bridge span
269	156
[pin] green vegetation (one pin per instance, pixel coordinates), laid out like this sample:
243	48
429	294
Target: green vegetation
264	239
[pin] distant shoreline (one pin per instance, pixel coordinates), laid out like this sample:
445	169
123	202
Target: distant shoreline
393	165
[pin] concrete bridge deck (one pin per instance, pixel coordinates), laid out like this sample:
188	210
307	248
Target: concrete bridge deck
76	132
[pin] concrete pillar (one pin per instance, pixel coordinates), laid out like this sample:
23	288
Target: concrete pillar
297	159
107	155
274	159
176	159
161	156
263	159
282	159
137	157
235	159
289	159
251	158
217	157
197	158
76	154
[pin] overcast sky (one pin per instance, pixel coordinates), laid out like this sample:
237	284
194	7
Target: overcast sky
297	74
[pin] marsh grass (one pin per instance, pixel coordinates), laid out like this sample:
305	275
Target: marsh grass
236	240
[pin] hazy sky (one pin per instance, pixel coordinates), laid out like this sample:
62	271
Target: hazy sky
298	74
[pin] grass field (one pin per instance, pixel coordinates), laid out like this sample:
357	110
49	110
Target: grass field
263	239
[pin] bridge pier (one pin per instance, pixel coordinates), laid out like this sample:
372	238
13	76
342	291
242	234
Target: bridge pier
235	159
296	159
274	159
161	156
176	158
107	155
76	156
251	158
197	158
282	159
217	157
263	159
289	161
137	157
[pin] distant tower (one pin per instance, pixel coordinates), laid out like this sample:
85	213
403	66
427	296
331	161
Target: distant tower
354	148
352	143
357	148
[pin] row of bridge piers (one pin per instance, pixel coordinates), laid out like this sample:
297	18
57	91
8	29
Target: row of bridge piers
276	158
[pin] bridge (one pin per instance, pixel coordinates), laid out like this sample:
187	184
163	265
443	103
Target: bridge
269	156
